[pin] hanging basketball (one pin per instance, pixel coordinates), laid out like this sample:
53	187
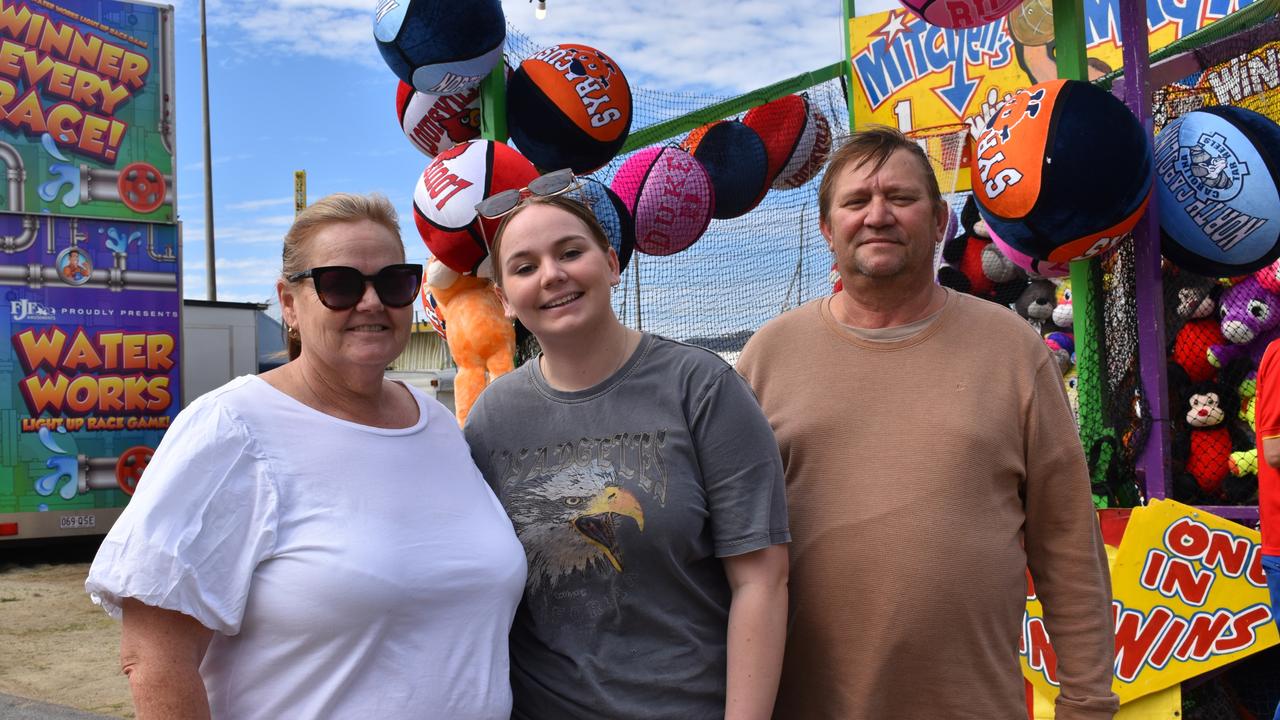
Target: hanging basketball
434	123
444	201
669	194
1218	171
1063	171
612	215
960	13
440	47
797	139
569	106
737	163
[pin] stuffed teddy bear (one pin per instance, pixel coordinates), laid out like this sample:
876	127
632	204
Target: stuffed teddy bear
1250	321
1035	304
974	265
481	339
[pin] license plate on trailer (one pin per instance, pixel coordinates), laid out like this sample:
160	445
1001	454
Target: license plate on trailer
77	522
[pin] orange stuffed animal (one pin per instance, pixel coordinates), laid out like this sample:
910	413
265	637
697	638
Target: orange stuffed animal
481	339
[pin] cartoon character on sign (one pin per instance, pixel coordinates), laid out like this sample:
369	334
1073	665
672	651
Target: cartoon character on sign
74	267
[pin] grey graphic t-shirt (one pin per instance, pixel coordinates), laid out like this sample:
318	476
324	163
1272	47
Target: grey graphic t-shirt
625	496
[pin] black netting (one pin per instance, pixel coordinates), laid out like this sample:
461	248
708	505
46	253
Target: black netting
1218	328
1116	435
1244	690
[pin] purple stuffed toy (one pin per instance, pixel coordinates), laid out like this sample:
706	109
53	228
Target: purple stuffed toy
1250	321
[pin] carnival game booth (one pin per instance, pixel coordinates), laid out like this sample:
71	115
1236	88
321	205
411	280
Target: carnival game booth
1157	319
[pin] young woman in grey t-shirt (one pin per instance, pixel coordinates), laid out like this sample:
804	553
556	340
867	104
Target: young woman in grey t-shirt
645	484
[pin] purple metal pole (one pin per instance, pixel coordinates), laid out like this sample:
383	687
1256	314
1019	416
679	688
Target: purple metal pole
1153	461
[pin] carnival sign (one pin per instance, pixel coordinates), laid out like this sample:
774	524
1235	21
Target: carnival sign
1189	596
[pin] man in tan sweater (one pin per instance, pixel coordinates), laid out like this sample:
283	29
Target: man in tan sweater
931	458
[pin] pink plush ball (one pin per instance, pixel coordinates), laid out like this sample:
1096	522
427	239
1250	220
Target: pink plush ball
961	13
1042	268
669	194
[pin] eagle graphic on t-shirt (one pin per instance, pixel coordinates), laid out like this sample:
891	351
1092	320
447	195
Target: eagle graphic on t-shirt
568	521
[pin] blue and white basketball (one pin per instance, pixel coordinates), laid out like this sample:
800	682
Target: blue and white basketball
1218	185
613	216
440	47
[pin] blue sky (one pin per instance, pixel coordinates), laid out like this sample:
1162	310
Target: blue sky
299	84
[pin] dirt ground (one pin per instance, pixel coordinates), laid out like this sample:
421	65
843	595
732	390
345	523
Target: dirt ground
59	647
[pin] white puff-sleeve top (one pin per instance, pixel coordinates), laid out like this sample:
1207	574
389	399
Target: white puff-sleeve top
347	571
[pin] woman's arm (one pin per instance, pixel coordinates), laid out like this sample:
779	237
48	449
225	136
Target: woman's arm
161	651
757	631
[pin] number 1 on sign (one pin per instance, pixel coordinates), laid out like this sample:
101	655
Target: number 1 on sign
902	111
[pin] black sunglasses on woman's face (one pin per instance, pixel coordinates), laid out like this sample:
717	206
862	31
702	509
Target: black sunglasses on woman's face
340	287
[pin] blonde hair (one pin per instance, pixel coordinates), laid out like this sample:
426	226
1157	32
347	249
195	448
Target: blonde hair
331	210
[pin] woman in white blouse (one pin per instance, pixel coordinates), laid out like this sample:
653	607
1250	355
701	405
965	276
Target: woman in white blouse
315	542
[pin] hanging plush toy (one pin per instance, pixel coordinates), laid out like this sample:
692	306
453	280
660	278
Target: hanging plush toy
1191	348
974	265
1250	321
1062	346
1036	303
1204	440
1242	487
481	339
1063	313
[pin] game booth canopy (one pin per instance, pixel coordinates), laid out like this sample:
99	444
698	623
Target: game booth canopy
1122	197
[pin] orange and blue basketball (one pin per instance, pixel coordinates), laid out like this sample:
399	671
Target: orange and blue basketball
1063	171
1218	174
737	163
961	13
569	106
1039	268
440	47
669	195
444	200
434	123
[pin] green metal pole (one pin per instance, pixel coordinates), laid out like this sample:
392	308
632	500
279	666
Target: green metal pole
493	104
1086	275
849	13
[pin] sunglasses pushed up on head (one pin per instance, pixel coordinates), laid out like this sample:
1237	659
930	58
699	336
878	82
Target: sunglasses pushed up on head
340	287
553	183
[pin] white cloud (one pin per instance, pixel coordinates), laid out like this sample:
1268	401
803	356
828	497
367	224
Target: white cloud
717	45
335	29
262	203
711	45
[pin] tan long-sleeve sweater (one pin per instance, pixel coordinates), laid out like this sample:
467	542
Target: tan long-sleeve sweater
917	472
